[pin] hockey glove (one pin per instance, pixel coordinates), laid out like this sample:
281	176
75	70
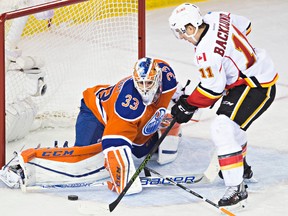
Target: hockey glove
183	111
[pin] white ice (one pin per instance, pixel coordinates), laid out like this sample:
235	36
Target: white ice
268	139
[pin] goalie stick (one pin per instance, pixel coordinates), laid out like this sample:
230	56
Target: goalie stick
207	176
145	181
223	210
148	181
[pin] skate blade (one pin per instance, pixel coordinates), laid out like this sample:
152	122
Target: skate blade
251	180
237	207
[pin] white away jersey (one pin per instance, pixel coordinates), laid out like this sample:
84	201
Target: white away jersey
226	59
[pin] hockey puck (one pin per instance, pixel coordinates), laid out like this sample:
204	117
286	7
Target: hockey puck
72	197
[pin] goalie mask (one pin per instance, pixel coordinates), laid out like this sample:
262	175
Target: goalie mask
181	16
147	77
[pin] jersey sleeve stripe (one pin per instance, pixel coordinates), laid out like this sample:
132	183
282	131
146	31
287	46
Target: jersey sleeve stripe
207	93
201	98
101	110
248	29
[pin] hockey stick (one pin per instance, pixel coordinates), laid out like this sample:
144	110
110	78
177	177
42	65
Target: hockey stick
151	181
43	187
113	205
208	176
194	193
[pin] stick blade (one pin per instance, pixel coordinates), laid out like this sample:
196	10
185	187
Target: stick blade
113	205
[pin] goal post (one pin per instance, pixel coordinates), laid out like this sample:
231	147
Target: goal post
84	42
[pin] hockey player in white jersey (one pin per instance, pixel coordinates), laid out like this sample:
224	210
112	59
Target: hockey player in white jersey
232	69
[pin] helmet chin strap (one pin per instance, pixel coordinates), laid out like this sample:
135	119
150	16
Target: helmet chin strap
193	36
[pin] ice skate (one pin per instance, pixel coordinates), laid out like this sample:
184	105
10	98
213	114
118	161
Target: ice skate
235	197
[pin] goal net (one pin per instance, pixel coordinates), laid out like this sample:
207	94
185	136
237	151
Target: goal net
53	56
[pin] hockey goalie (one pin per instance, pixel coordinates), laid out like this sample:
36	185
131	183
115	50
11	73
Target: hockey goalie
87	162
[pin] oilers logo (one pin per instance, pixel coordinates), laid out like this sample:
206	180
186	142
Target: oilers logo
153	124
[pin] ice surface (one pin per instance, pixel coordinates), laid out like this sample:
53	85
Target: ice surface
268	139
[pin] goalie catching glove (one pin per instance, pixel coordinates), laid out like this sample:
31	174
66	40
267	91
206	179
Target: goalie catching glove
183	111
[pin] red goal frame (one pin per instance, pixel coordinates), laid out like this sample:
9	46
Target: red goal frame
41	8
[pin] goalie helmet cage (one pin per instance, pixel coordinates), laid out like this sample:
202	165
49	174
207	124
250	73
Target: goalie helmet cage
90	42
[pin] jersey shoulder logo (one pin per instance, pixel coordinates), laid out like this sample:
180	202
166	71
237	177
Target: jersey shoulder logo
153	124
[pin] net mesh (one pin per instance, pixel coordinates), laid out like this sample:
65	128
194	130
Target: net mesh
81	45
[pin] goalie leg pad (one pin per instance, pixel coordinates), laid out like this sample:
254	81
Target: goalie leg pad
119	163
55	166
168	150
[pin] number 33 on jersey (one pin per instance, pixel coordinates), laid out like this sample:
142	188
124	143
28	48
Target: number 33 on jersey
121	109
